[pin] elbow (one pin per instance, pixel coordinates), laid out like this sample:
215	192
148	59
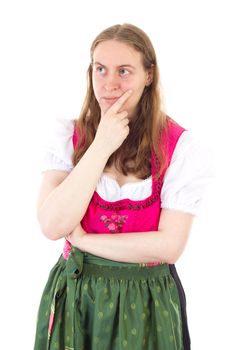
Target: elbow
171	247
48	228
173	256
49	233
52	236
172	259
54	231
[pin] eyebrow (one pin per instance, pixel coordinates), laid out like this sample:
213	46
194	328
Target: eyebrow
122	65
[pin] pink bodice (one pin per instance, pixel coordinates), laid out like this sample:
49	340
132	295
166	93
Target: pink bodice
128	215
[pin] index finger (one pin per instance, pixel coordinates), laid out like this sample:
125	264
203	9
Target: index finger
117	105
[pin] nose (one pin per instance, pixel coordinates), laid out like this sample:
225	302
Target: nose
112	82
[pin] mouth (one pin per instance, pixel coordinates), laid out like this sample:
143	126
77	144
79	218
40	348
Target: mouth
110	99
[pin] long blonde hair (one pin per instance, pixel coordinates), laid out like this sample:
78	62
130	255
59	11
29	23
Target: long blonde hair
134	154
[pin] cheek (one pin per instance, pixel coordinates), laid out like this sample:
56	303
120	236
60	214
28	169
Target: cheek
96	88
132	102
136	96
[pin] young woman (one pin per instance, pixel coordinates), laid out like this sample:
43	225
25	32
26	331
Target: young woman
122	184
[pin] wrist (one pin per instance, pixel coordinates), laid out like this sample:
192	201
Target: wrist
101	149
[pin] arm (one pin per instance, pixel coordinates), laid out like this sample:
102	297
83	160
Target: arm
65	206
69	200
165	245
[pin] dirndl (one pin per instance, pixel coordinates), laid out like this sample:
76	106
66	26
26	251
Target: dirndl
92	303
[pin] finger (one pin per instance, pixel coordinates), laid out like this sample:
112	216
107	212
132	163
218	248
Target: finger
122	115
125	122
121	100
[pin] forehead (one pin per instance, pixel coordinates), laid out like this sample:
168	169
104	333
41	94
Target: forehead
115	53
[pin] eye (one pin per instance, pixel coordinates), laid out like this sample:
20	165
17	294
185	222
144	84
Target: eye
100	70
123	70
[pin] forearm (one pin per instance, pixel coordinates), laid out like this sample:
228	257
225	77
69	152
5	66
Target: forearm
135	247
66	205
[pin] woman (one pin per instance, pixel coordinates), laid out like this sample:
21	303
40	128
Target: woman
122	186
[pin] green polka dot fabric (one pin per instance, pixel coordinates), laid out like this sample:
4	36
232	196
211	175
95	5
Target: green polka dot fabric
99	304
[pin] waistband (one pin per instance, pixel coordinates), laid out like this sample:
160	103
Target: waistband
80	262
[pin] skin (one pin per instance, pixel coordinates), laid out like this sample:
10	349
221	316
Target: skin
112	76
164	245
110	79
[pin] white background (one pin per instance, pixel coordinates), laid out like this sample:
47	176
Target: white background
44	57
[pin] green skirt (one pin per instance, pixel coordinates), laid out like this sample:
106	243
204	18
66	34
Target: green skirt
92	303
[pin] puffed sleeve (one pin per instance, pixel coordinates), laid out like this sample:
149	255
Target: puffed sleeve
58	147
190	172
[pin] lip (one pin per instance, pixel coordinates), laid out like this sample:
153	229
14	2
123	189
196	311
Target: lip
111	98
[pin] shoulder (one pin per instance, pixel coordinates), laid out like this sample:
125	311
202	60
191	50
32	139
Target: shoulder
63	126
190	171
58	146
190	145
60	132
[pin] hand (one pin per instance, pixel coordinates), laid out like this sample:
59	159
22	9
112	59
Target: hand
113	127
76	235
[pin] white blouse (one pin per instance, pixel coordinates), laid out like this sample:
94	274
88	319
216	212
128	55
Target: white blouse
185	180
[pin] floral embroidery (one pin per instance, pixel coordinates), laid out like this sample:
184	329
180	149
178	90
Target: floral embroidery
114	223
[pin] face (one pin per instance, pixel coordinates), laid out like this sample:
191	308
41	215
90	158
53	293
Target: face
117	67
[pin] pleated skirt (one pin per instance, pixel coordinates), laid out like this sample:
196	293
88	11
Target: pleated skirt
92	303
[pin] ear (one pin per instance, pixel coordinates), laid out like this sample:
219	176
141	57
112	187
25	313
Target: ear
149	77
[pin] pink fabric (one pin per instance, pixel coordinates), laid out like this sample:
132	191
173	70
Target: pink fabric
127	215
66	250
51	319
